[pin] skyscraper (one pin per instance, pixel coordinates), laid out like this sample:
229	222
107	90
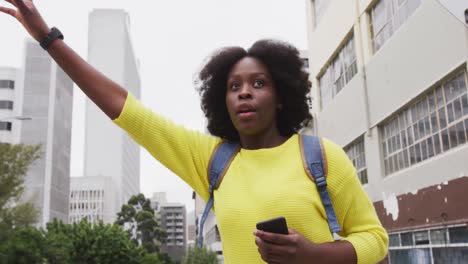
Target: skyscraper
47	100
109	151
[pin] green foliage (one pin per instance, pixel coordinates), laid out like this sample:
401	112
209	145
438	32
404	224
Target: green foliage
197	255
138	218
14	163
25	245
77	243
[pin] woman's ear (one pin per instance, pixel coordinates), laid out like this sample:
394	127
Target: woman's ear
279	107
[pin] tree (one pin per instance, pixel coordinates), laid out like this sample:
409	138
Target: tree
137	217
196	255
14	163
77	243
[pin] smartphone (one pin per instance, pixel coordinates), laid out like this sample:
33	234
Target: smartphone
276	225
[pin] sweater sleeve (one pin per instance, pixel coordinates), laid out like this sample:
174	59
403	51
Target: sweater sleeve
184	152
355	211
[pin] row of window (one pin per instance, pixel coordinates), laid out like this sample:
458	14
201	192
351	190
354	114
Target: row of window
439	245
386	17
431	126
7	84
87	195
434	124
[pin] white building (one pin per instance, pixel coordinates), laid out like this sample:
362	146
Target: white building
109	151
10	104
47	99
92	198
211	236
390	86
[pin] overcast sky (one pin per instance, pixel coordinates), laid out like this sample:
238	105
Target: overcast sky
171	38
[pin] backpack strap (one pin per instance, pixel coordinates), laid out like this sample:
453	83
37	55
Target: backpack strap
315	164
219	163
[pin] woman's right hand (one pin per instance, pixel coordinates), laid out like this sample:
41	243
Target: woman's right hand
28	15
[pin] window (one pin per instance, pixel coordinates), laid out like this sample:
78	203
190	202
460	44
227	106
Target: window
5	126
340	71
434	124
7	84
6	104
357	155
320	7
387	16
430	245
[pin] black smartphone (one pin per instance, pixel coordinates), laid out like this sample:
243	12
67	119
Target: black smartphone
276	225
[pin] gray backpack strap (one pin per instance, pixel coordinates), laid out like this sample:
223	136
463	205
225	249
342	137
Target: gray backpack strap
219	163
315	164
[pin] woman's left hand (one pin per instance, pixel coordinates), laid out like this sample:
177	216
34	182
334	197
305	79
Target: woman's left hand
293	248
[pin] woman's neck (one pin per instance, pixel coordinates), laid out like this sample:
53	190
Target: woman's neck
266	140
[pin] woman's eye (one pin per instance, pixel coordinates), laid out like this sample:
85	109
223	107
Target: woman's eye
234	86
258	83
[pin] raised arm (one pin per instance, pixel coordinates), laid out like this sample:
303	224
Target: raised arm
106	94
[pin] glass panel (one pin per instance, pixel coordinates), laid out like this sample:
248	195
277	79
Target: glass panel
431	100
411	256
458	234
437	148
445	140
452	255
410	135
394	240
438	236
450	114
457	109
412	155
440	97
423	150
417	152
453	136
465	104
461	133
430	147
442	118
435	126
406	239
421	238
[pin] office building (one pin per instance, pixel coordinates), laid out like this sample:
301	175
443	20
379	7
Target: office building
47	99
92	198
390	86
109	151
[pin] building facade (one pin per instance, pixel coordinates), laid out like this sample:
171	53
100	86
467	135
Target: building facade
92	198
10	104
109	151
390	86
174	221
47	99
211	235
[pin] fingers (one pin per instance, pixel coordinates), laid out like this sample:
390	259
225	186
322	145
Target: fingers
8	11
11	2
20	5
276	239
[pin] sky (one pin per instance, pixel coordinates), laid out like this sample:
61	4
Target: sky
171	40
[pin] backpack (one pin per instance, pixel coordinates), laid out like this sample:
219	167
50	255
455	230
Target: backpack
315	165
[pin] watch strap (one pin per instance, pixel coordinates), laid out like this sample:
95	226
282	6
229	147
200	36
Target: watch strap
51	37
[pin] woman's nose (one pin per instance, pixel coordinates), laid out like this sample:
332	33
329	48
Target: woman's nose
245	92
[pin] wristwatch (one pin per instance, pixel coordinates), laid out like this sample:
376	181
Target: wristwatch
53	35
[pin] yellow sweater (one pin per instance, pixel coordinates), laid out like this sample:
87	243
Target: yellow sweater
262	184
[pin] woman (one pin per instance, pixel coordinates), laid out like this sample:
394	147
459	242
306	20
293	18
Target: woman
258	98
